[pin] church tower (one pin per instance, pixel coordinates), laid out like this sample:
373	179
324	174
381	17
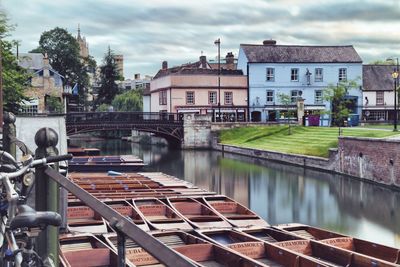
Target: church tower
83	46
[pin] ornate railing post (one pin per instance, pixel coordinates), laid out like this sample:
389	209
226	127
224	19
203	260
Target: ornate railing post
9	133
47	192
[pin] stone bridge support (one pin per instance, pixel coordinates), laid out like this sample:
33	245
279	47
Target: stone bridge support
197	131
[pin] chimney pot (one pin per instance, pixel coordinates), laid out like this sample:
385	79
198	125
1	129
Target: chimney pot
164	65
137	76
269	42
203	61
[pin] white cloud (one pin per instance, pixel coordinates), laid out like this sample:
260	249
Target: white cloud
148	32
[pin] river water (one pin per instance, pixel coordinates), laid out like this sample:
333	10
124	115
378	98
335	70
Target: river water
280	193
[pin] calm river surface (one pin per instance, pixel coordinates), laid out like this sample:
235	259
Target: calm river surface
279	193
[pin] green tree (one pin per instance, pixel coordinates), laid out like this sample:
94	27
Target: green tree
286	100
15	78
63	52
381	62
54	104
340	105
128	101
103	108
108	76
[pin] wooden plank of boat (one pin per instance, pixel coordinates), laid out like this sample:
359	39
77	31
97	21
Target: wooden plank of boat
159	215
269	235
127	210
197	214
83	219
119	167
203	252
135	254
234	212
330	255
345	242
86	251
255	249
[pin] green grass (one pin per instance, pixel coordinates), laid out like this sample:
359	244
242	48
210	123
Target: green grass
378	126
313	141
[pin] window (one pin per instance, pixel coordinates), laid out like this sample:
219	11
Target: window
162	97
212	97
228	96
29	109
318	97
379	98
342	74
294	75
270	75
294	94
319	76
189	98
270	96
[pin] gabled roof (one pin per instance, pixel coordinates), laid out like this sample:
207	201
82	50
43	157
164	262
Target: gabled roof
32	61
378	77
193	69
300	54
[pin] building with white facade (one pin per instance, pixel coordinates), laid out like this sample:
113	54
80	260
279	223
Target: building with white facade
378	93
300	72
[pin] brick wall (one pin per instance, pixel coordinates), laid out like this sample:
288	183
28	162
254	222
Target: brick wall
373	159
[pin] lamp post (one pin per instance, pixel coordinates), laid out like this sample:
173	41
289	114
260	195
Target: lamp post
395	75
218	43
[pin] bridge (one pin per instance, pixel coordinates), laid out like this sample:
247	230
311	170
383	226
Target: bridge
166	125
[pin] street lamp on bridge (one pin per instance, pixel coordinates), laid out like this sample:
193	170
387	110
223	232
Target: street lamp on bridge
395	75
218	43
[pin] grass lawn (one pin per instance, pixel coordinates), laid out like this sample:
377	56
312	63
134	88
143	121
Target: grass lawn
313	141
379	126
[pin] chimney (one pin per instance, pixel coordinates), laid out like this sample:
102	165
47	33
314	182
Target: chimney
164	65
269	42
229	59
137	76
46	66
203	61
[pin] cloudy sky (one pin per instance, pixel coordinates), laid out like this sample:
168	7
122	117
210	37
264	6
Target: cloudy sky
150	31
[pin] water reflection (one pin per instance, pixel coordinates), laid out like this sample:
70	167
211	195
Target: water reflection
280	193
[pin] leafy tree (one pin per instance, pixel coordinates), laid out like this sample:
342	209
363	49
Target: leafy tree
103	108
286	100
63	52
108	77
381	62
340	106
128	101
54	104
15	78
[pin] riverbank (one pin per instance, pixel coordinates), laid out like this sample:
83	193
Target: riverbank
309	141
367	159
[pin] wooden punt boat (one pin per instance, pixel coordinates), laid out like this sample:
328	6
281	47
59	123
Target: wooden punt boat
234	212
263	252
105	163
203	253
197	214
159	215
81	218
330	255
269	235
86	251
127	210
81	151
196	250
345	242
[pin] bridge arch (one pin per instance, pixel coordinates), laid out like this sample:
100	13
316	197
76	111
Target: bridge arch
166	125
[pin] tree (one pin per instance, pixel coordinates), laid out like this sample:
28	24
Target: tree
128	101
63	52
54	104
340	105
381	62
108	77
15	78
286	100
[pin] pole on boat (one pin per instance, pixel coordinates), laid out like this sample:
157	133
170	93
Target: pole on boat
121	248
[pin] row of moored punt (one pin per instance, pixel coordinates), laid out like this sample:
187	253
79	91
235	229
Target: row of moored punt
208	229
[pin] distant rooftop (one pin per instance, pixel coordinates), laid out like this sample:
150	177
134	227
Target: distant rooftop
378	77
32	61
201	67
270	52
